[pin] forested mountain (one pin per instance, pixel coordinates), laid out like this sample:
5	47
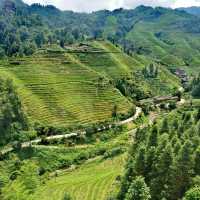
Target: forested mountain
192	10
169	36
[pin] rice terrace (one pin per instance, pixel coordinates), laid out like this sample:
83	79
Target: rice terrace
99	101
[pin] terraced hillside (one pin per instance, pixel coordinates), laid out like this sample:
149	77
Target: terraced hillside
115	65
92	181
56	89
74	86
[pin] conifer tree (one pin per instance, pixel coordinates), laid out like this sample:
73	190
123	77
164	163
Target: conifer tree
182	170
165	126
138	190
139	166
197	162
153	138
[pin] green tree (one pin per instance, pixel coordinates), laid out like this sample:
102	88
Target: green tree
12	116
196	91
182	170
197	162
62	43
39	39
165	126
193	194
162	174
140	163
138	190
153	138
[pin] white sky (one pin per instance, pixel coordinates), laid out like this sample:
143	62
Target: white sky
93	5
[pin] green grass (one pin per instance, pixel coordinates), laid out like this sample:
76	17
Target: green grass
93	180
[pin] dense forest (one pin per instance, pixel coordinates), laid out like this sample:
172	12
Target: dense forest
164	159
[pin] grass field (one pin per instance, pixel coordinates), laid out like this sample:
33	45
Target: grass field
94	180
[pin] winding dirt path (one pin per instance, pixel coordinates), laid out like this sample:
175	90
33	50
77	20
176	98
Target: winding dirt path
56	137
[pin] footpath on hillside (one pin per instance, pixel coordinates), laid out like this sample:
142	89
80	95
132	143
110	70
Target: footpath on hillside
69	135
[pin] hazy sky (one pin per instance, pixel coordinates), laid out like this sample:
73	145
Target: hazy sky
93	5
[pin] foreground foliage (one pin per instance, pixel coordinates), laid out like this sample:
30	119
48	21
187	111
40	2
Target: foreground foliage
12	118
167	156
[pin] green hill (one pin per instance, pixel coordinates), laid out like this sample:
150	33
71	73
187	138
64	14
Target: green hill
162	38
165	35
57	89
75	86
191	10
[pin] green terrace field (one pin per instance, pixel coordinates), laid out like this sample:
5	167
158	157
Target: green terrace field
74	86
94	180
57	89
115	64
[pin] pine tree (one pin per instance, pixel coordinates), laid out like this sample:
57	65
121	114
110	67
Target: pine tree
182	170
150	160
138	190
139	166
197	162
162	174
153	138
165	126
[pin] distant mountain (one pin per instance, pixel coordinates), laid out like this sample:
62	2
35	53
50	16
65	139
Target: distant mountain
192	10
165	35
12	4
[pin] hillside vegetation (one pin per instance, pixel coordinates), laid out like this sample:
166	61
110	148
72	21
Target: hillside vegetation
75	85
83	183
77	90
165	35
164	159
56	88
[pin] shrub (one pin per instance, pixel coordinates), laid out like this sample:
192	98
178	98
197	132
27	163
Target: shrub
113	152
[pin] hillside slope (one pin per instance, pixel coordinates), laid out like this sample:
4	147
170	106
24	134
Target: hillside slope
165	35
57	89
174	43
74	86
194	10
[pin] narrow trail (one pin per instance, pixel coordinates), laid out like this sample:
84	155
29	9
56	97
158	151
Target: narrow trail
56	137
152	117
133	118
